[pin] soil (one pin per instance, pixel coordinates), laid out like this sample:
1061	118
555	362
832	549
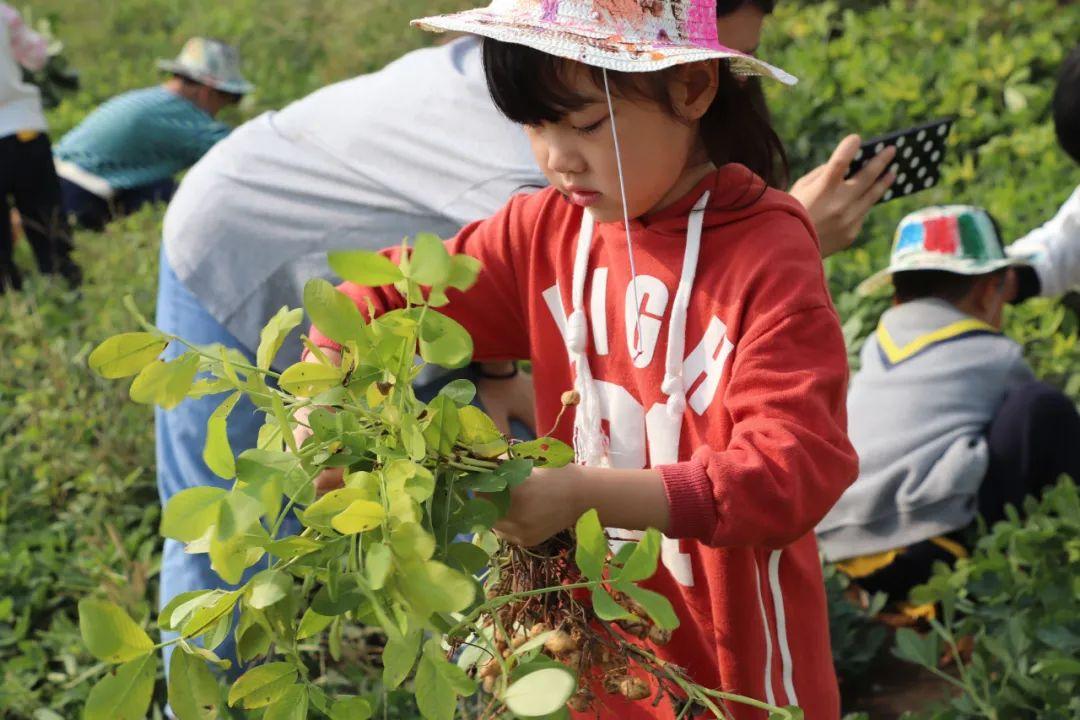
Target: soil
893	688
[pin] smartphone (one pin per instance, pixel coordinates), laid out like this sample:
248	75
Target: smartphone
920	151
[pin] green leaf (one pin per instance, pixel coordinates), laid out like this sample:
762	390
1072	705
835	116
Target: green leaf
125	354
443	425
165	383
274	334
410	541
267	588
461	391
429	262
321	513
358	517
312	624
308	379
350	708
189	513
509	474
922	650
292	705
439	683
262	685
292	547
124	694
180	607
443	341
540	693
109	633
642	562
658	606
466	557
193	692
364	267
463	271
592	545
546	451
605	606
238	538
398	657
479	434
333	312
378	562
436	587
218	454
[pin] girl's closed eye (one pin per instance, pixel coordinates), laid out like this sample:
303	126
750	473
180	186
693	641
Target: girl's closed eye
592	127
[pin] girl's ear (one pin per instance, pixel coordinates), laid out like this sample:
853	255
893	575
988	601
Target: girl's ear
694	89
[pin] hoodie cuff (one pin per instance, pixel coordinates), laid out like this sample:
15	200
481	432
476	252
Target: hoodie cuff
691	507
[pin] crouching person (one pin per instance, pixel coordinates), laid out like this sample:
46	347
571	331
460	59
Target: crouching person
947	417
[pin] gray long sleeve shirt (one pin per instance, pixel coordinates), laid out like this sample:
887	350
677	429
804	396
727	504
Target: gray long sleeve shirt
416	147
932	379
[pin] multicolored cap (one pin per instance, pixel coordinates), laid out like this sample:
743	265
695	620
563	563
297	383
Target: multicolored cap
960	239
210	62
622	35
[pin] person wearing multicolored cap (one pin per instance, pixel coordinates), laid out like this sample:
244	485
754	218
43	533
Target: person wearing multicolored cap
125	153
945	413
682	297
27	175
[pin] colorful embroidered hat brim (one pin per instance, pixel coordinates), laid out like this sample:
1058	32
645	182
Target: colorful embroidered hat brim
960	239
621	35
211	63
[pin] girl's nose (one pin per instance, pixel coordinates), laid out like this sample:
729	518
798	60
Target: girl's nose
564	159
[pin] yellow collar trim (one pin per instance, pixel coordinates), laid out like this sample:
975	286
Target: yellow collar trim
897	354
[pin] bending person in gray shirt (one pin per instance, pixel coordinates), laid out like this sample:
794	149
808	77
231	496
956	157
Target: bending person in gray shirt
416	147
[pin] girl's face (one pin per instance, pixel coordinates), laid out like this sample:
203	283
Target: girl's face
662	156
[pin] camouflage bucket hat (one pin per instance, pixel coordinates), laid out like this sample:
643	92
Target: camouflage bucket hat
210	62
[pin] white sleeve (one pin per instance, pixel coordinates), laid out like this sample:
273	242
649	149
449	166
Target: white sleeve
1055	249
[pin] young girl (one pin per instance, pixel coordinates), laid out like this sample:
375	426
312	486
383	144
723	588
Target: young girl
684	300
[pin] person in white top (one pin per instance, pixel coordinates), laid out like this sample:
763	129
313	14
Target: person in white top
1055	245
27	175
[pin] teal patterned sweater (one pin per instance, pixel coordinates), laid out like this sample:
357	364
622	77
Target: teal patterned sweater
140	137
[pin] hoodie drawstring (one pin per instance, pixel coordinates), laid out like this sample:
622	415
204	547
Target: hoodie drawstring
590	442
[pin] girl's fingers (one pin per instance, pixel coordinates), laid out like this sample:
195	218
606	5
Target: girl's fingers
842	157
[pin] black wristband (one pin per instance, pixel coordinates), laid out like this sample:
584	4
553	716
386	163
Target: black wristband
496	376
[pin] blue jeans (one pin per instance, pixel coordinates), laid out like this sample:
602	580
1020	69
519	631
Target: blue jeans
180	434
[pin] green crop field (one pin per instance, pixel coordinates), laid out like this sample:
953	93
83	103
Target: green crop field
78	507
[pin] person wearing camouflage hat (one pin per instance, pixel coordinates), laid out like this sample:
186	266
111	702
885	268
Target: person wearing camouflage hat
126	152
945	413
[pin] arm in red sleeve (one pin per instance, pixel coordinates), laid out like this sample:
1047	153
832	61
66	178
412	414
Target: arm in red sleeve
789	458
492	310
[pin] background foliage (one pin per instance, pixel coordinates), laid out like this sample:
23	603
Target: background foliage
78	509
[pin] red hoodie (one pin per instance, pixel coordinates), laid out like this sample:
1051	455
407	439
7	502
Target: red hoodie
762	452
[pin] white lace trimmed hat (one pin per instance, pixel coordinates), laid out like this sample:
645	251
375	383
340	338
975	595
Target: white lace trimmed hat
620	35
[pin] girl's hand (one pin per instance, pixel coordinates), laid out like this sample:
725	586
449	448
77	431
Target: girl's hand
552	500
545	504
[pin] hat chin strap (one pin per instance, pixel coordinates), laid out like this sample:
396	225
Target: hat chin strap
591	444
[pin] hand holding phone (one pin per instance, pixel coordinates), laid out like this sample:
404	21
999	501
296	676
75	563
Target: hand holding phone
920	150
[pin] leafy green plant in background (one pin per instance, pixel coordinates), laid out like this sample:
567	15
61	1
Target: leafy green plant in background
386	550
78	507
1016	597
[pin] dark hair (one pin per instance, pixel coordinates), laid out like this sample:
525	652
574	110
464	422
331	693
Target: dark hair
1067	104
233	98
530	88
726	7
911	285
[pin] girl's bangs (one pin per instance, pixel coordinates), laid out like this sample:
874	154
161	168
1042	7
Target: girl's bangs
529	86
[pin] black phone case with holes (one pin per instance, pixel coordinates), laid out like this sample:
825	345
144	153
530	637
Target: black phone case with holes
919	153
